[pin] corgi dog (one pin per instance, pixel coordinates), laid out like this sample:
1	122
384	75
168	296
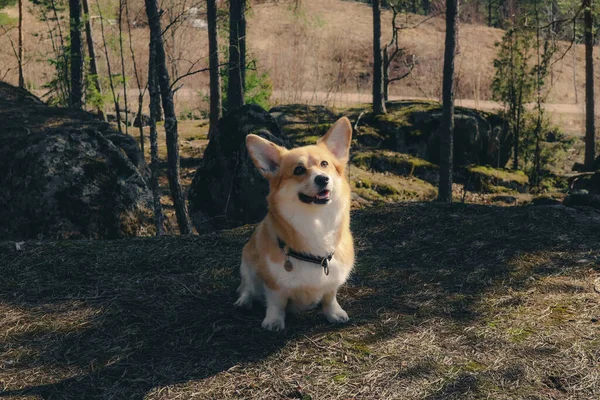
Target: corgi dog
302	252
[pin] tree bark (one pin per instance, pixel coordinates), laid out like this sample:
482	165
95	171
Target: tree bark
378	102
447	122
138	81
121	6
92	52
109	70
213	63
166	94
590	126
386	75
20	58
235	83
76	94
155	113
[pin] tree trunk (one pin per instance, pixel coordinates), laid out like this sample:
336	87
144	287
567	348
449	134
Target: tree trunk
92	53
447	122
108	68
242	34
20	57
574	51
378	102
590	126
154	161
138	81
213	63
386	75
166	94
235	83
76	94
426	4
123	66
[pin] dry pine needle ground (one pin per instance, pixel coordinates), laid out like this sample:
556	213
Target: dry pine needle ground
447	302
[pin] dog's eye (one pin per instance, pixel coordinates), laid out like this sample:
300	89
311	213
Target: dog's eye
324	164
299	170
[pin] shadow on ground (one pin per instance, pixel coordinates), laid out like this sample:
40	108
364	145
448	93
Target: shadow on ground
119	319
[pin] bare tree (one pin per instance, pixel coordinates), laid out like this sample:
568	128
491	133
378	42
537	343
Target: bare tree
141	89
109	69
76	93
20	57
213	64
390	52
237	57
590	125
92	53
123	75
378	101
158	52
155	115
447	122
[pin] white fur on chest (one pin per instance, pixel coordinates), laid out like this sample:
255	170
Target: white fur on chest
306	283
319	228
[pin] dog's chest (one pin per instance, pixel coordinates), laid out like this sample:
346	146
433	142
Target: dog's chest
306	282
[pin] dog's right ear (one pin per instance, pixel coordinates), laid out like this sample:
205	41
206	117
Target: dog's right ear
266	155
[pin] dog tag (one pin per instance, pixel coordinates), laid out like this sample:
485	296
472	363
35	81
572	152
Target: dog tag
288	265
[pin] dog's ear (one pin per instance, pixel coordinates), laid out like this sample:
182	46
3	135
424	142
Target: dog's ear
266	155
338	139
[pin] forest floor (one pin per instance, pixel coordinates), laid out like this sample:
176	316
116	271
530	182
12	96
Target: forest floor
446	302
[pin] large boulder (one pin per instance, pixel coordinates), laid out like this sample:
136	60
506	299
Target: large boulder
588	181
227	190
414	128
63	178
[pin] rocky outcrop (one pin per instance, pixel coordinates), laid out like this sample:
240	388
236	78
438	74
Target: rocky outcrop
479	138
227	190
66	175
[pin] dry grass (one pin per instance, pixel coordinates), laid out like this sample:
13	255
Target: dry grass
447	302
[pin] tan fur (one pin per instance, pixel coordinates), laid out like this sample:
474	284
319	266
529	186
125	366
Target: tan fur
263	260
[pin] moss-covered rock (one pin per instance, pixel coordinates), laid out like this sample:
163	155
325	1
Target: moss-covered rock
388	188
66	175
397	163
413	127
495	180
227	190
586	181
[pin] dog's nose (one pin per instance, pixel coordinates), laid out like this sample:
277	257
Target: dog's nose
321	180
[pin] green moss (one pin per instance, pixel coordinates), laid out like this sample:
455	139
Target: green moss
7	21
198	137
340	378
519	334
385	190
474	366
307	140
502	174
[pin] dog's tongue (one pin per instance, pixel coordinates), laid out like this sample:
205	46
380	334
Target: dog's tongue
322	195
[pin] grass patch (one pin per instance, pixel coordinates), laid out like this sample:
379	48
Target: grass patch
7	21
446	301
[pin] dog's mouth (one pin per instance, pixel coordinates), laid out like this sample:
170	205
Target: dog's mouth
320	198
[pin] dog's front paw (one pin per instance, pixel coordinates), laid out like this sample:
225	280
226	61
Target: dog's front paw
336	315
273	324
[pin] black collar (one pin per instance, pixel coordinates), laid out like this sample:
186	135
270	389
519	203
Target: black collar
322	261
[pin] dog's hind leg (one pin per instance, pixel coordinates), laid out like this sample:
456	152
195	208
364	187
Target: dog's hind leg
248	288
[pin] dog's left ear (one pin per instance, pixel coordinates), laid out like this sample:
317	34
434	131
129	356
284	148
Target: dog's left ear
338	139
